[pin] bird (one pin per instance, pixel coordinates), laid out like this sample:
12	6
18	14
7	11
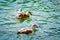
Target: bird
19	11
27	30
22	14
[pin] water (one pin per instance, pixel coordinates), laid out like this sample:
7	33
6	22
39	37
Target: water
46	14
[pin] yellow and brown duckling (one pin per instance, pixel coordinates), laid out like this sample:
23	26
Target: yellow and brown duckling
27	30
22	14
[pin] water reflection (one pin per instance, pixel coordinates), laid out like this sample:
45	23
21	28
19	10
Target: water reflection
25	19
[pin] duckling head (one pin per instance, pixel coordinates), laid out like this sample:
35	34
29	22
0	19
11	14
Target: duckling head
28	13
34	26
19	10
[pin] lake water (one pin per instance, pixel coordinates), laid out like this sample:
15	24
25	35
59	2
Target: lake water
45	13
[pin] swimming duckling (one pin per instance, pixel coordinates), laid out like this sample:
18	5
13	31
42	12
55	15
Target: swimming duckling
19	11
26	30
23	15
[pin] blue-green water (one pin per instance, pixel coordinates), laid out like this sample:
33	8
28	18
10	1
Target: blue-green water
46	14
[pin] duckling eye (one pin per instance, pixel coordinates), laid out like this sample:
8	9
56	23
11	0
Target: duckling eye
20	9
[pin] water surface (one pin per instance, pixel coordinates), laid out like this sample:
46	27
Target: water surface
45	13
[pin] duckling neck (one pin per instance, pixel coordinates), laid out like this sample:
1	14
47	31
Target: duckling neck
27	13
33	27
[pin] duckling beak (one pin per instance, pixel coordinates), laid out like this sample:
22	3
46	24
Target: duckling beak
18	32
30	12
36	26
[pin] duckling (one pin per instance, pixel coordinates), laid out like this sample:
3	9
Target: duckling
27	30
19	11
24	15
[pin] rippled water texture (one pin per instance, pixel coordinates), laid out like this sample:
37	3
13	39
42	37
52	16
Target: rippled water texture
45	13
